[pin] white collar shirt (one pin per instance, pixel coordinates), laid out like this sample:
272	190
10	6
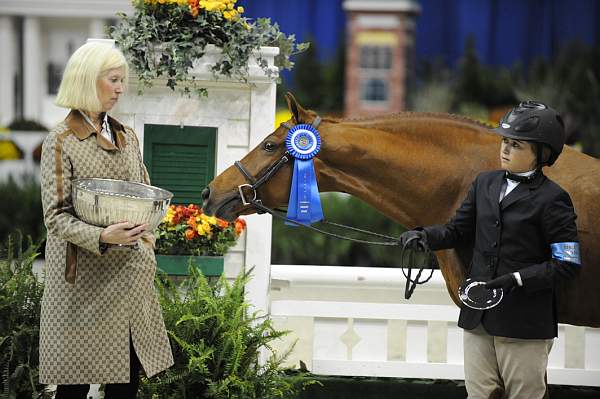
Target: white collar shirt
512	184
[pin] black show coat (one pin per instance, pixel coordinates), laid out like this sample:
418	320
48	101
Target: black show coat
513	235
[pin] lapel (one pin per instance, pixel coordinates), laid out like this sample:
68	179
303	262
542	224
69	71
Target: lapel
523	190
83	130
495	192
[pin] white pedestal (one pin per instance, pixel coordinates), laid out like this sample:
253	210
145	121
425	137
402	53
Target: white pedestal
243	113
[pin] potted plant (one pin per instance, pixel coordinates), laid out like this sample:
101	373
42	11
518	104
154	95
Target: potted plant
187	235
222	348
20	301
166	38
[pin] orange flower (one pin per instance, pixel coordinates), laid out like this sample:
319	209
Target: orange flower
222	223
240	225
194	9
192	222
190	234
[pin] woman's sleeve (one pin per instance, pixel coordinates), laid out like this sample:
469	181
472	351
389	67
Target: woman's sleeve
148	237
56	182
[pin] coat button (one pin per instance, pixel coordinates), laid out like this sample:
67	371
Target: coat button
494	244
497	223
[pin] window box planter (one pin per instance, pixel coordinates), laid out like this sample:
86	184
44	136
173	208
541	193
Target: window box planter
177	265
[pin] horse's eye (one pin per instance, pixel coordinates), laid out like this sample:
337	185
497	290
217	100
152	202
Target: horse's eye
270	146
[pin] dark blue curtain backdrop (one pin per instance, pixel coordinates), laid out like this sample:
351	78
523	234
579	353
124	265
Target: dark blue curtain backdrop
321	21
506	31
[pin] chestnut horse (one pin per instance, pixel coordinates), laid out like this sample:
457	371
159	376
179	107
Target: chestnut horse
416	168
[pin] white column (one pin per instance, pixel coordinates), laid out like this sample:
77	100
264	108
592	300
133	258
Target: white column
8	68
96	28
258	237
32	68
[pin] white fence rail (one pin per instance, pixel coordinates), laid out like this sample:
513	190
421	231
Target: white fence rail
350	337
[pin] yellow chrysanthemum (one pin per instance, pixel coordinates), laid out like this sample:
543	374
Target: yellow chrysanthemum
169	215
211	220
204	229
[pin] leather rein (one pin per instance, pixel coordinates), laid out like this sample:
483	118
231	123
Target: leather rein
252	199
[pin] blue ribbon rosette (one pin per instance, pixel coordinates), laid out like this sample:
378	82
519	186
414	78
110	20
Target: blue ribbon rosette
303	143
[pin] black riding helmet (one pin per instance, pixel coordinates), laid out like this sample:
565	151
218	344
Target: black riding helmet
538	123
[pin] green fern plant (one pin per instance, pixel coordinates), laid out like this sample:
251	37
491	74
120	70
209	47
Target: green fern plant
20	300
217	342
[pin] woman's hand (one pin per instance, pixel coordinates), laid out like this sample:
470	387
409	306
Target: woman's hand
124	233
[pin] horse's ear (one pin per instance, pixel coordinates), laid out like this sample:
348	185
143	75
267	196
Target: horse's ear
296	109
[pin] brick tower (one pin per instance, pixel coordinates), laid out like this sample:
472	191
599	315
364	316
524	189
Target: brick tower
379	55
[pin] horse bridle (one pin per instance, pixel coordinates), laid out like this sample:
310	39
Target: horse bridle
254	183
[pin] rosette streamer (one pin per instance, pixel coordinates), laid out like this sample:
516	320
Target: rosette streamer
303	143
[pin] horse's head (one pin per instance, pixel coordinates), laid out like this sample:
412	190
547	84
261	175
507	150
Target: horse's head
223	196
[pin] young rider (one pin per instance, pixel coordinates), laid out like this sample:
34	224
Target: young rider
521	226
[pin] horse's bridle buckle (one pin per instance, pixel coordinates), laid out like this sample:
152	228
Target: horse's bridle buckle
241	188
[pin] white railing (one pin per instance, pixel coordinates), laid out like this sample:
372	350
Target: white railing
357	336
27	141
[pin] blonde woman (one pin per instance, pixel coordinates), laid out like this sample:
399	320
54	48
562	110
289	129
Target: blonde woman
101	322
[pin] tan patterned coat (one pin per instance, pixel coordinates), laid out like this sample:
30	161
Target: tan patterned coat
85	326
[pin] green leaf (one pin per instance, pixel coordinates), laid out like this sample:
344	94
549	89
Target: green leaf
164	40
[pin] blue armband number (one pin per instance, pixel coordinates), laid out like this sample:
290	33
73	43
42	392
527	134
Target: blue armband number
566	251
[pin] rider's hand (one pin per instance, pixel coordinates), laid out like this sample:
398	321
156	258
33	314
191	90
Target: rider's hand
414	239
124	233
506	282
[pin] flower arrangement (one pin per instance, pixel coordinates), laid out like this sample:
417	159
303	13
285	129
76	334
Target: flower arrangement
163	38
186	230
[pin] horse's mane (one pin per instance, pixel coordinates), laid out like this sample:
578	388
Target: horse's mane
409	114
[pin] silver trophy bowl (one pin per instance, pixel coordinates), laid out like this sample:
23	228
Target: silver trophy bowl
103	202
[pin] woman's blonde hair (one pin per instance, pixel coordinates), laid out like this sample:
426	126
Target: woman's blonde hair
87	64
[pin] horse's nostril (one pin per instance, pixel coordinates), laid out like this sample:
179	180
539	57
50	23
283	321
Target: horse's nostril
205	194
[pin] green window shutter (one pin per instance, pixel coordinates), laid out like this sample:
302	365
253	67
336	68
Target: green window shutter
181	160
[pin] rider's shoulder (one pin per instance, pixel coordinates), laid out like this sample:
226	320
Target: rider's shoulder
489	175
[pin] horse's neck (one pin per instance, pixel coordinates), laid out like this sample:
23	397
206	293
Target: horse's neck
416	173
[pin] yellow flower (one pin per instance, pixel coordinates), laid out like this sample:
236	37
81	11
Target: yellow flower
169	215
209	5
240	9
211	220
203	229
